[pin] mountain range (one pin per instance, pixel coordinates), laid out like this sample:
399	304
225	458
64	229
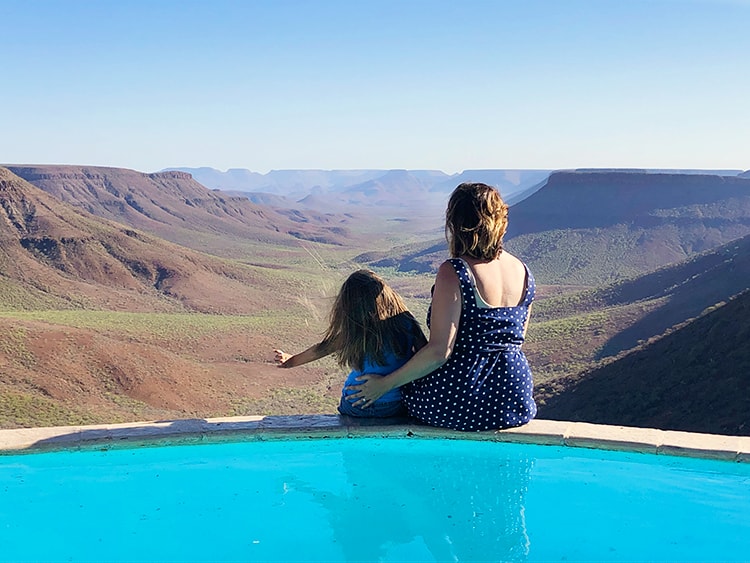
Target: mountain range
316	188
173	206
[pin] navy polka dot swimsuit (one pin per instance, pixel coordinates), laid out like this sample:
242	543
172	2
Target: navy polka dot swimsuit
486	383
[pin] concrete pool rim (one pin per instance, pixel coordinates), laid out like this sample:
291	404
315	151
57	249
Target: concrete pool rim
297	427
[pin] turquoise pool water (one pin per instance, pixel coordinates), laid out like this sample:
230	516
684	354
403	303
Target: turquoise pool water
371	500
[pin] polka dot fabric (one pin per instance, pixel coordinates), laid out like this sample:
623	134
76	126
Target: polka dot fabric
486	383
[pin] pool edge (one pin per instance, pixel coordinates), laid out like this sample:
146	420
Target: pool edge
259	428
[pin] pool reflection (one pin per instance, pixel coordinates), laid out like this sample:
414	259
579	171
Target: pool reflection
461	505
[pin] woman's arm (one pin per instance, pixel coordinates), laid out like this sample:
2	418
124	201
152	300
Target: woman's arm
313	353
446	313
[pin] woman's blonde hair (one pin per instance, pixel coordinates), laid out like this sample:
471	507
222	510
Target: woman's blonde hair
368	319
475	221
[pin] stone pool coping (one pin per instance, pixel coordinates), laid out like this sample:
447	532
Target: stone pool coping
250	428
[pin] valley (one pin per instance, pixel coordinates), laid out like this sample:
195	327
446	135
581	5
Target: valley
130	296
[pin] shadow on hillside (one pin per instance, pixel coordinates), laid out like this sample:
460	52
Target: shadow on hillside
694	379
694	288
653	324
687	303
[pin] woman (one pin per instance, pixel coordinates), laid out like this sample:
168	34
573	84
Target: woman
472	374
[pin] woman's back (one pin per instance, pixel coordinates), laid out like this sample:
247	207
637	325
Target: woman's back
486	382
500	282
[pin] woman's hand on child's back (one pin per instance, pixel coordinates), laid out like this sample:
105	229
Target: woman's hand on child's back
281	357
370	389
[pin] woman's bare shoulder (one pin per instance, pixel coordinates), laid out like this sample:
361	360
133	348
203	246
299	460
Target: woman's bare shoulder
511	261
446	272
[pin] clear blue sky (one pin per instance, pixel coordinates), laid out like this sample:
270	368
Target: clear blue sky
418	84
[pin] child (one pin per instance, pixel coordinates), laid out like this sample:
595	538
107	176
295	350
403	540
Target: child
370	331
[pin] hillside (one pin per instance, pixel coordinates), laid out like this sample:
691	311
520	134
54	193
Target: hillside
173	206
663	298
694	378
75	258
663	343
597	227
389	189
73	367
393	194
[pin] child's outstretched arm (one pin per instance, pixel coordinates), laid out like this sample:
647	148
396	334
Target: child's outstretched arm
315	352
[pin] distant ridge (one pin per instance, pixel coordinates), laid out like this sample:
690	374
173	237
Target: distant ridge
291	183
326	187
509	182
298	184
691	171
395	187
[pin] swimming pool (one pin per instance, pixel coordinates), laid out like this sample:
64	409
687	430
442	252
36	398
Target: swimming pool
371	499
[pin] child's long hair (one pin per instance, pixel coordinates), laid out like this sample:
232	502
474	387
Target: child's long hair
368	319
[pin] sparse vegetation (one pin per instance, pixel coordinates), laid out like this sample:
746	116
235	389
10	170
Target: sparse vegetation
152	327
17	297
26	410
287	400
13	346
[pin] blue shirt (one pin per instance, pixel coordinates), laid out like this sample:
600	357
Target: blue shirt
392	363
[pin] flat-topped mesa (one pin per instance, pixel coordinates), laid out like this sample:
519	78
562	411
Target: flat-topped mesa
635	178
70	172
594	227
32	173
600	199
